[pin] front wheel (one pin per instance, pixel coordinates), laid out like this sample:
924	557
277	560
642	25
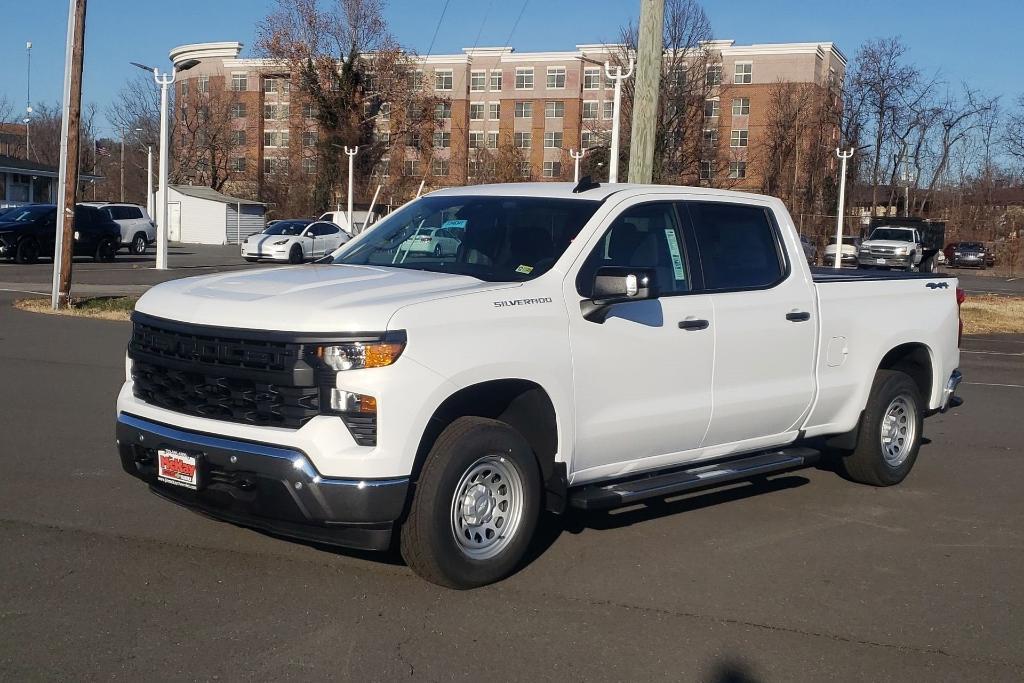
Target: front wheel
890	431
476	505
27	252
295	255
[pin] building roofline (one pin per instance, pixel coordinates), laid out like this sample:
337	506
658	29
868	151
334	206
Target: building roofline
200	51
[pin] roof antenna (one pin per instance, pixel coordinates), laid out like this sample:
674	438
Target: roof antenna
585	183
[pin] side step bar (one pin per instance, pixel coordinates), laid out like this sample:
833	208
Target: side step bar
603	495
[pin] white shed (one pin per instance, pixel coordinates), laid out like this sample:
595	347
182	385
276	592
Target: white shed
201	215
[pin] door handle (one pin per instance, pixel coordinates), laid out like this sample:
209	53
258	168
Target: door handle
798	316
693	324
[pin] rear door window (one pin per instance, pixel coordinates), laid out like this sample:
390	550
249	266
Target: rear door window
738	244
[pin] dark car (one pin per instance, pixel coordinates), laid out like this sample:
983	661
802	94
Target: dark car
968	255
28	233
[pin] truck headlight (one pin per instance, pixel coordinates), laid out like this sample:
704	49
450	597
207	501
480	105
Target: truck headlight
901	251
358	355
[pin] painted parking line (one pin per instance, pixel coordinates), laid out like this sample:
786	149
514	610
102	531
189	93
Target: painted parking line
992	384
993	353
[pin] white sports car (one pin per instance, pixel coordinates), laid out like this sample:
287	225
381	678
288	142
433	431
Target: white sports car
294	241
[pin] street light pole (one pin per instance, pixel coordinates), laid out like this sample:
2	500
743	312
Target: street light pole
618	77
122	167
350	153
576	156
843	156
149	180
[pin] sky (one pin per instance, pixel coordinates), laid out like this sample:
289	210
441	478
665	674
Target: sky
979	42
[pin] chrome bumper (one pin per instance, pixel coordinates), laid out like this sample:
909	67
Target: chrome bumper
949	397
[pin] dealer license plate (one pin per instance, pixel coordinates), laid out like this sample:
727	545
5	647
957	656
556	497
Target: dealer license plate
178	468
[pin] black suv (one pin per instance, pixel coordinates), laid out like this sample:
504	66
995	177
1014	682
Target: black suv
28	232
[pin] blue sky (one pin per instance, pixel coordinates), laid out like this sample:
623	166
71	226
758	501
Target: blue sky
979	41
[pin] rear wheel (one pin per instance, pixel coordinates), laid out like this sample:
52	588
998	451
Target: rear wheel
437	250
106	251
251	259
295	255
139	243
27	252
476	505
890	431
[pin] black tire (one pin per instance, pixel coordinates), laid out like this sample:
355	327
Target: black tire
106	251
251	259
295	254
867	464
437	250
139	244
428	537
27	252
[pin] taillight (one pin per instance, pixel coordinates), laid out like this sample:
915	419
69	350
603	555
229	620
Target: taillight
961	296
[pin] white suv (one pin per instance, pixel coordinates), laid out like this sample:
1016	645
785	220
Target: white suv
138	230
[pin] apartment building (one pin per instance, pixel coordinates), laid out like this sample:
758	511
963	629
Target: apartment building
545	103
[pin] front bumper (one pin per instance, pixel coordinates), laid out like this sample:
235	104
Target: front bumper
884	260
846	260
266	487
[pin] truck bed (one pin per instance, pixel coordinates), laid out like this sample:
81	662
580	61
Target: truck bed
825	275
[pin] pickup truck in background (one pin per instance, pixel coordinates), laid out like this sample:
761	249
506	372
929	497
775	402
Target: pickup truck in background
586	347
910	244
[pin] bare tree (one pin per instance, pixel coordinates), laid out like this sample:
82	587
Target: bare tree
6	109
1013	138
205	142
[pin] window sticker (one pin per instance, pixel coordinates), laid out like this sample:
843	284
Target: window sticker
677	258
454	223
525	270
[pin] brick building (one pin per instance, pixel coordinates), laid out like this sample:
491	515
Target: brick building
545	102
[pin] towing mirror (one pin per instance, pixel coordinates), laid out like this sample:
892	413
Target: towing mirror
616	285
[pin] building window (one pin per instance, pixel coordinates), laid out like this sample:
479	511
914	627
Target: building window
741	106
744	73
477	82
268	166
476	111
383	168
238	138
713	75
609	110
587	139
282	112
552	139
589	111
184	88
439	167
416	80
556	77
239	82
204	84
711	137
442	139
269	85
710	109
443	79
309	111
523	140
309	165
677	77
238	110
384	113
592	78
737	169
492	140
270	138
496	80
554	110
476	139
494	110
524	78
412	138
238	165
309	138
705	170
269	112
739	138
382	138
474	168
524	169
443	110
284	136
524	110
286	86
552	169
412	167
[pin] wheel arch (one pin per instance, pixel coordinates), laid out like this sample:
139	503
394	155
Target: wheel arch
914	359
522	404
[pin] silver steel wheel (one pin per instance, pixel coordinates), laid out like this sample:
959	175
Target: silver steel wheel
899	430
487	507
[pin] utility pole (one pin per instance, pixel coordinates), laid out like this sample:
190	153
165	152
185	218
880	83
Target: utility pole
28	101
618	77
576	156
843	156
70	122
650	42
350	153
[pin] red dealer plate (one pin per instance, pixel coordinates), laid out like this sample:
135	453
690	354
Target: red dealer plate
175	467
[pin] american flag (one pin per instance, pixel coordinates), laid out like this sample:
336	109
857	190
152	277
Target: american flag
101	150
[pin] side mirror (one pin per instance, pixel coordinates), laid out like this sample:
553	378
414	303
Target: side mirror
616	285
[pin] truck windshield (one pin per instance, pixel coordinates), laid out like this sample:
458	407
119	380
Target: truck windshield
497	239
893	234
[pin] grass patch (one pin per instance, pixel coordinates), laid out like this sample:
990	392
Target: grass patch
992	314
102	307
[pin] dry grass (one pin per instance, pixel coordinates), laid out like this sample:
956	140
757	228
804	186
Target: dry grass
102	307
991	314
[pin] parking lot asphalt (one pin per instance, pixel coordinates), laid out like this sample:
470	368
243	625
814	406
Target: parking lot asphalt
803	578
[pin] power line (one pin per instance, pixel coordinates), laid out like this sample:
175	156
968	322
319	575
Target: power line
438	27
508	41
483	21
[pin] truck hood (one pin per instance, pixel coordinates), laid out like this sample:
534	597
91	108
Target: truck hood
887	243
310	298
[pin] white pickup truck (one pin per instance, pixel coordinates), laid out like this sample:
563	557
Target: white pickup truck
585	346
